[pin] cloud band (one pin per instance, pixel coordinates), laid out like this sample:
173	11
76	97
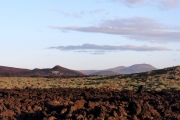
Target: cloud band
106	48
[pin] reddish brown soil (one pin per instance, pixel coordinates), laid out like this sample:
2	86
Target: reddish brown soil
88	104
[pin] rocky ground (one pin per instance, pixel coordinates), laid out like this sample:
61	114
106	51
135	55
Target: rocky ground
88	104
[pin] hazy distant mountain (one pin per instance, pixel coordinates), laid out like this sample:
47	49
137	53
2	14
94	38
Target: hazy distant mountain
116	69
88	72
104	73
121	70
55	71
137	68
111	70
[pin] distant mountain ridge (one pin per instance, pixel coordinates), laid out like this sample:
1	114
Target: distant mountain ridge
136	68
61	71
55	71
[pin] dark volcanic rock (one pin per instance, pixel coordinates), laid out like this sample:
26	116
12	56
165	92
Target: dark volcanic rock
52	104
140	89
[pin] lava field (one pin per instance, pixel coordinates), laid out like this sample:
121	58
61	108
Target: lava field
88	104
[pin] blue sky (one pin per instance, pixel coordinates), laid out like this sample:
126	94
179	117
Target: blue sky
91	34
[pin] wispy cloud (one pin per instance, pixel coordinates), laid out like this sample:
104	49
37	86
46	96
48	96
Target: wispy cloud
136	28
175	59
168	4
178	50
72	14
53	10
97	53
96	11
162	4
129	3
75	13
67	14
100	49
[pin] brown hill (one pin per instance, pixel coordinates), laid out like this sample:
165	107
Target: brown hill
10	71
55	71
166	73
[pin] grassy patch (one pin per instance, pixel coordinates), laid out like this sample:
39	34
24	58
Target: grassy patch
152	80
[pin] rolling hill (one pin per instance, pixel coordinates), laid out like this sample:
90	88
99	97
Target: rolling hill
10	71
61	71
55	71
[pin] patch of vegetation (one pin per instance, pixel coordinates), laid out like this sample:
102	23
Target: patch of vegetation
168	78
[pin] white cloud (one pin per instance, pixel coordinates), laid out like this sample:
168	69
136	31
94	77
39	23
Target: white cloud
108	48
136	28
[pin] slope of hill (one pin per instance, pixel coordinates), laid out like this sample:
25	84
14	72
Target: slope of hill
159	75
137	68
55	71
166	73
10	71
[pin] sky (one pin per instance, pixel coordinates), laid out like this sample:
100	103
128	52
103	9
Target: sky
89	34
